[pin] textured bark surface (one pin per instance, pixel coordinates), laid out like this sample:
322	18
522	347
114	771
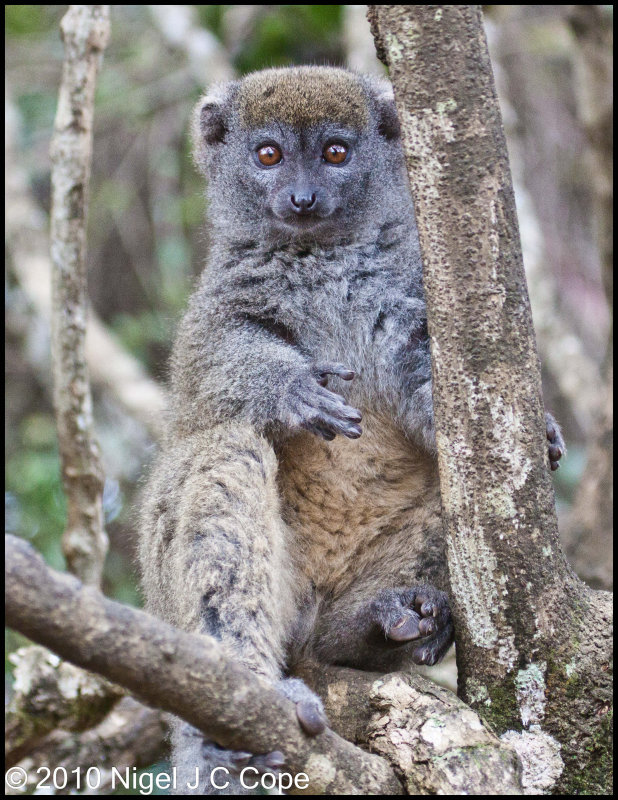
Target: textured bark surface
436	743
130	736
174	671
49	693
533	643
85	31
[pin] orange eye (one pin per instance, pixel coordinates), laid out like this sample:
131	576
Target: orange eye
269	155
335	153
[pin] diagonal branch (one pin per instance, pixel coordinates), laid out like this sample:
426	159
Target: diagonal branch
187	675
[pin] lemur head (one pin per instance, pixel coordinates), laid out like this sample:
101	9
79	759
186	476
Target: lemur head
307	153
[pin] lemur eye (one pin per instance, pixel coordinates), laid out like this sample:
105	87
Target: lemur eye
269	155
335	153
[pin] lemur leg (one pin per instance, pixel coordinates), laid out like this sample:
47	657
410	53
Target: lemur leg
386	623
215	561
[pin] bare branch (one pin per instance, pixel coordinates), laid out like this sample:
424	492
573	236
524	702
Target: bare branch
358	41
206	56
184	674
110	365
85	31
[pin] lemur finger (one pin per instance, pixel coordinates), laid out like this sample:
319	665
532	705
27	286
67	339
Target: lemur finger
339	370
335	403
557	447
309	709
334	425
555	453
320	430
427	626
240	759
319	421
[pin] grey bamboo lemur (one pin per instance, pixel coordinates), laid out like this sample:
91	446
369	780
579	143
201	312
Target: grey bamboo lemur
270	522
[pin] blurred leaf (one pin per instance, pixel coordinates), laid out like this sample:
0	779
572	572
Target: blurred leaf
21	20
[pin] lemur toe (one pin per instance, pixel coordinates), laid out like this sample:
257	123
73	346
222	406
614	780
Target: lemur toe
311	719
556	448
309	709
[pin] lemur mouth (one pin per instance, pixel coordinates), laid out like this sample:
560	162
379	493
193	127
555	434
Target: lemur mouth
304	221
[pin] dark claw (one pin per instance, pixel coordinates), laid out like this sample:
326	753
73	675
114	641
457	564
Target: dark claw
551	433
310	718
353	431
406	628
554	465
555	453
336	369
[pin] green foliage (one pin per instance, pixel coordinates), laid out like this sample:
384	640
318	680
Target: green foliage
34	500
138	333
25	20
290	34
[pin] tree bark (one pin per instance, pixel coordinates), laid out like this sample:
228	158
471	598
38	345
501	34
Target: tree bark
533	642
85	31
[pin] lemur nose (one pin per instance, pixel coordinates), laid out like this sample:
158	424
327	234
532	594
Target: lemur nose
303	202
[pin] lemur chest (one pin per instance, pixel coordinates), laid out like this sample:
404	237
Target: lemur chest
343	499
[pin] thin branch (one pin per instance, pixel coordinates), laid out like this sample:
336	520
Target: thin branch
178	672
85	31
111	366
358	42
206	56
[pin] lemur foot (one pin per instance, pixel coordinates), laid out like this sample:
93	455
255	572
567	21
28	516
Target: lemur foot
312	719
234	761
420	613
309	708
556	448
317	409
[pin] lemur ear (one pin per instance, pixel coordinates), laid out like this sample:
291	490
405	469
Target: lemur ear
212	122
388	122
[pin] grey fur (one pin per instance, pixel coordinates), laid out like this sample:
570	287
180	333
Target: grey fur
268	523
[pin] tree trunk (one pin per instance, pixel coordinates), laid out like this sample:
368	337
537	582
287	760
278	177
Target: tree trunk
533	642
